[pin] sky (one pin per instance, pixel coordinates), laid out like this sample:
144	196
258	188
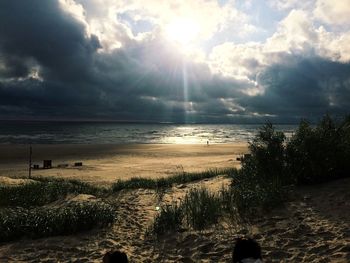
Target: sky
216	61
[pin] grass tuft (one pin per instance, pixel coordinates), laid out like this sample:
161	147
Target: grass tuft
44	221
169	219
44	191
201	208
181	178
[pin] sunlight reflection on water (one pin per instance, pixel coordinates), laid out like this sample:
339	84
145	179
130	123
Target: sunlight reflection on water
100	133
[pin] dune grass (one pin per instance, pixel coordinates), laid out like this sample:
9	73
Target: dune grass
49	221
181	178
168	220
23	214
199	209
43	191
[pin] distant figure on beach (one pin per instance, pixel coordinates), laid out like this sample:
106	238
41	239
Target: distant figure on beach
207	142
246	250
115	257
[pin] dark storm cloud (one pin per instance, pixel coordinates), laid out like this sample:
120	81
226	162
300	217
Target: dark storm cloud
307	87
43	32
143	80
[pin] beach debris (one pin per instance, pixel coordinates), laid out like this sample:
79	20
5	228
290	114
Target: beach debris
157	208
47	164
78	164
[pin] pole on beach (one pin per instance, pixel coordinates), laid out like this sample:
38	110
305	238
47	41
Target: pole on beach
30	161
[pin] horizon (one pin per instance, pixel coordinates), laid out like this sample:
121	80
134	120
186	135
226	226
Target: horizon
152	122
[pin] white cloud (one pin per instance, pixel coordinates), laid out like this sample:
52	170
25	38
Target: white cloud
291	4
333	12
101	17
337	48
236	60
295	33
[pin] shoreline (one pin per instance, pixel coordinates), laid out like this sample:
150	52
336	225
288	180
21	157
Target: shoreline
105	163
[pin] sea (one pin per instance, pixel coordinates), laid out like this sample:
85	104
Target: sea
47	132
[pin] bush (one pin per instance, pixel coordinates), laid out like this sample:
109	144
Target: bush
249	194
45	221
267	160
260	181
320	154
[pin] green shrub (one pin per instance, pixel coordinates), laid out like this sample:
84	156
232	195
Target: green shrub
259	184
250	194
320	154
267	160
44	221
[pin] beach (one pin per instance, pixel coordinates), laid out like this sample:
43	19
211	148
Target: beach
105	163
313	226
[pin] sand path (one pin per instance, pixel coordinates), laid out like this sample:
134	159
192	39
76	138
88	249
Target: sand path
313	227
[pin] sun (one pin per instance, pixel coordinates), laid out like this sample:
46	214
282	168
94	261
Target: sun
183	31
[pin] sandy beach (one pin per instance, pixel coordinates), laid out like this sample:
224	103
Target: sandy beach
312	227
104	164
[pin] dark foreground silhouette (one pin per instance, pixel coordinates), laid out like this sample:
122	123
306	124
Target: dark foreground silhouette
246	250
115	257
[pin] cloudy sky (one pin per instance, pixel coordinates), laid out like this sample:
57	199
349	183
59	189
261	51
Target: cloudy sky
174	61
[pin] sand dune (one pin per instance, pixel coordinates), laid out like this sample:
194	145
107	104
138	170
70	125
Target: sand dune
313	227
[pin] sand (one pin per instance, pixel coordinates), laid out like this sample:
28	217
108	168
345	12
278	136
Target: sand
104	164
312	227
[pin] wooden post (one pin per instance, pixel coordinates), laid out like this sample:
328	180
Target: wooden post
30	161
